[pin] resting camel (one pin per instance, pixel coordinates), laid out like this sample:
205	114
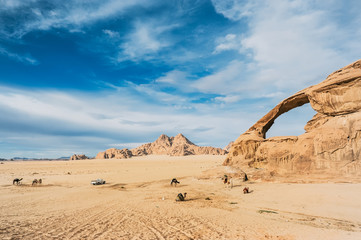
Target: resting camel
181	197
17	181
175	181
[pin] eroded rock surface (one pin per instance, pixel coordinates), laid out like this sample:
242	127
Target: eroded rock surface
78	157
331	143
164	145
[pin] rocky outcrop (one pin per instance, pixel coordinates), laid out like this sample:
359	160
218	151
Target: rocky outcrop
332	141
115	153
228	147
164	145
78	157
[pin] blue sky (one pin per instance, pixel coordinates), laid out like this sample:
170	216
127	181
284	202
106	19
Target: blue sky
82	76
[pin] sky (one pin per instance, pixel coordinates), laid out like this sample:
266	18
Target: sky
82	76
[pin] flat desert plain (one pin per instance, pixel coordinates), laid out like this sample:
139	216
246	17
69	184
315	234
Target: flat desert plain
137	202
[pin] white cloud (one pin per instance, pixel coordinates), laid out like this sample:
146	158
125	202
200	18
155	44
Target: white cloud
288	46
174	77
145	41
225	81
228	99
111	34
229	42
235	9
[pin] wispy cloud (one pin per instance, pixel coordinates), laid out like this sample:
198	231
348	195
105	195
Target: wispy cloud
27	58
72	15
229	42
235	9
145	41
225	81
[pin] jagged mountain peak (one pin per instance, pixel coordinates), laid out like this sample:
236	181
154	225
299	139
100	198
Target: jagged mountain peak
164	145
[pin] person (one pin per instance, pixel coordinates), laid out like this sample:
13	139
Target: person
245	179
181	197
225	179
245	190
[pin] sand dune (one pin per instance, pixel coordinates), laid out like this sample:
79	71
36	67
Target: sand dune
137	202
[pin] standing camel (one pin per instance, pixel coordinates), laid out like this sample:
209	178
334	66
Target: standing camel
17	181
36	181
175	181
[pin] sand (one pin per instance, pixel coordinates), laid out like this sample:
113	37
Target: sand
137	202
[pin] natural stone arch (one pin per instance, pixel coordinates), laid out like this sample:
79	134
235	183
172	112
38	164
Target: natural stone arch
292	122
331	143
265	123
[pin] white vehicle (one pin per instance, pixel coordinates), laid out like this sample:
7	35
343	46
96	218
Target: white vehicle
99	181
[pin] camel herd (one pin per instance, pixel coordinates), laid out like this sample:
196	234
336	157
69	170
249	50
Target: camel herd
228	181
180	197
17	181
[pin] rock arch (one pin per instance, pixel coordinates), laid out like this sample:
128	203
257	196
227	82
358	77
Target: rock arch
332	140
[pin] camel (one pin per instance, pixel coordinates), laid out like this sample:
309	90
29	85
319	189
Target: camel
181	197
36	181
17	181
175	181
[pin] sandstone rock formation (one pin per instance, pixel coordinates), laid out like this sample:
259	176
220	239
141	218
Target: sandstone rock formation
78	157
228	147
164	145
331	143
114	153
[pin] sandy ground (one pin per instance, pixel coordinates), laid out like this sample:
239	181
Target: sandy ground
137	202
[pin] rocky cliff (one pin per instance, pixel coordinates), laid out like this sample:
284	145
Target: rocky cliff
331	143
164	145
228	147
78	157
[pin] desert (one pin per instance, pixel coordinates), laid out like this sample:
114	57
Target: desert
138	202
180	119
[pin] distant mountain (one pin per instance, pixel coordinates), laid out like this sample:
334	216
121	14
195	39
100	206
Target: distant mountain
164	145
37	159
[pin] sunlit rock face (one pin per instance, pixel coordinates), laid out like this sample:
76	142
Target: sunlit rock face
331	143
164	145
78	157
